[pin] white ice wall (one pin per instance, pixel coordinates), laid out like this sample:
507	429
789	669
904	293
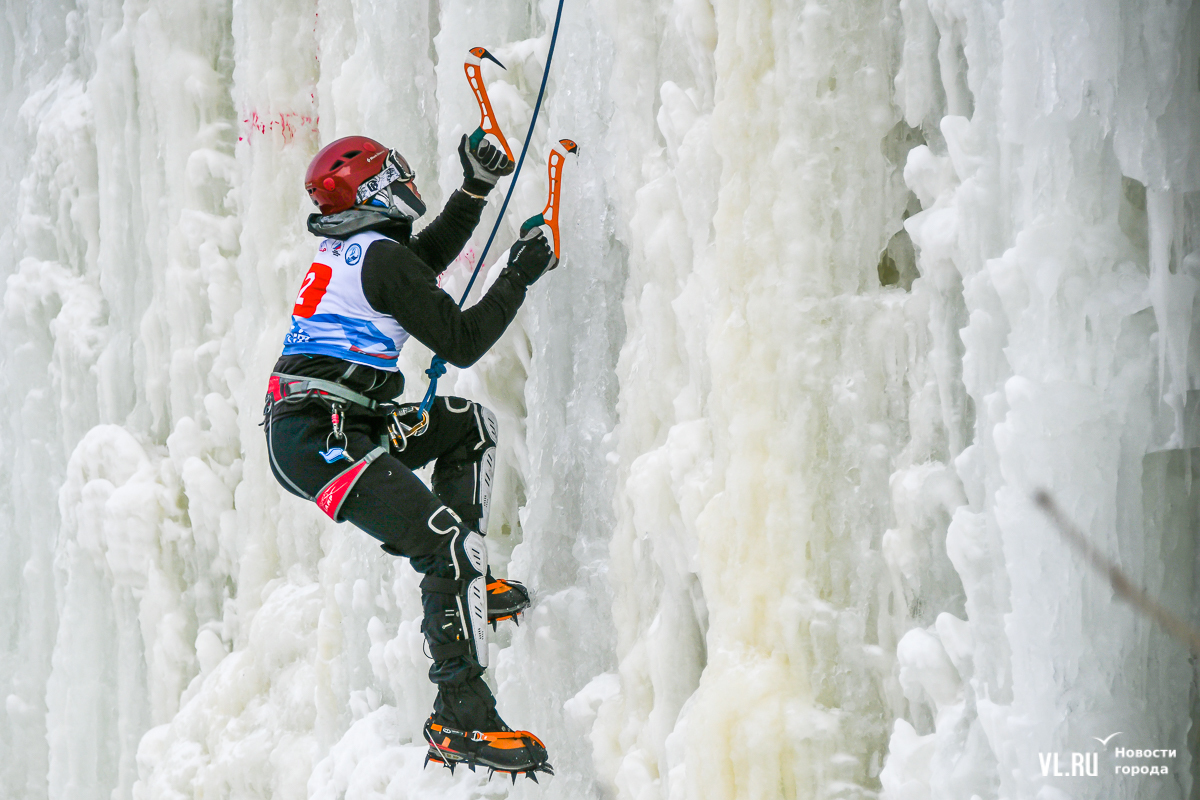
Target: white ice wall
770	488
1077	141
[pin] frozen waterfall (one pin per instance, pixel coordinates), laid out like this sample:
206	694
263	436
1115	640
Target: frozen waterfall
844	282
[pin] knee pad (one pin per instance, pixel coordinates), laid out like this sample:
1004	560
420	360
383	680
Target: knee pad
463	478
455	600
486	467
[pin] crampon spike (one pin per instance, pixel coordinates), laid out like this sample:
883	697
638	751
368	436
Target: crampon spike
487	118
549	215
532	775
460	748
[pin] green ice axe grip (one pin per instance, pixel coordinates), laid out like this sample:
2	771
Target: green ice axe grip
531	223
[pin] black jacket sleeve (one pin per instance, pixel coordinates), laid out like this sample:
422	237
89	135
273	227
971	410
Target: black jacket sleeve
397	283
440	242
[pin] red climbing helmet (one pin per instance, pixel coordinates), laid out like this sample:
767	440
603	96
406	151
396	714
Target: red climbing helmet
356	170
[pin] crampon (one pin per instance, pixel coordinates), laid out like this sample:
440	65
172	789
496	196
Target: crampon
506	600
512	752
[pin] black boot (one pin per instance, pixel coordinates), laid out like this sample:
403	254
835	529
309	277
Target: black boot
465	729
506	599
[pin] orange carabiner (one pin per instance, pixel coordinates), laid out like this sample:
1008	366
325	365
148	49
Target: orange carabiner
487	118
549	215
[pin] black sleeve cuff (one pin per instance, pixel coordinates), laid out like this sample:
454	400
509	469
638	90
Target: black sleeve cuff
514	278
476	188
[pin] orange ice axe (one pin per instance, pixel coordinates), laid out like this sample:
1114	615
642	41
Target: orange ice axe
487	117
549	215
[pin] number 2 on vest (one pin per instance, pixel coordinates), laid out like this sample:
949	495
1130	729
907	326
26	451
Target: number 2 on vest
315	284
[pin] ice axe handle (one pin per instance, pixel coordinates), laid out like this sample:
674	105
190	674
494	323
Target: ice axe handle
535	225
475	138
487	117
530	226
554	166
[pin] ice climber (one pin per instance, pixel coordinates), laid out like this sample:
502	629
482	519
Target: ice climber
335	437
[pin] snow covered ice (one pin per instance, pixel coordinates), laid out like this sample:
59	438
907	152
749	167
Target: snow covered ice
844	282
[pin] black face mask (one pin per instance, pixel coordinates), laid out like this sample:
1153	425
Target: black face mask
405	198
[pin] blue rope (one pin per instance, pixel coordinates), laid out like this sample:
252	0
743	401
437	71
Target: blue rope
437	365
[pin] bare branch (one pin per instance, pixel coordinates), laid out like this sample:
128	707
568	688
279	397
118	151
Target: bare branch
1175	626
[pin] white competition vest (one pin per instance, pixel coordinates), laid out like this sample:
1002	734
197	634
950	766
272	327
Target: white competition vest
332	316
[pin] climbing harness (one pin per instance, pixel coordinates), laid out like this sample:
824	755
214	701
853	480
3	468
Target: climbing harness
334	494
284	388
488	124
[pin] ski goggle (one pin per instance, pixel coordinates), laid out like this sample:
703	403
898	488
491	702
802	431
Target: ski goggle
395	168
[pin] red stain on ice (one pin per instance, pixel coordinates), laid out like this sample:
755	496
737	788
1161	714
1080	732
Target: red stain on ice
288	123
464	263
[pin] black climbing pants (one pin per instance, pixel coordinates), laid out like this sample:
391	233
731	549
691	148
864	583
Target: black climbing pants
388	501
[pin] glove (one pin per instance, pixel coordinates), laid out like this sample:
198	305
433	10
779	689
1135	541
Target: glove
483	165
531	256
